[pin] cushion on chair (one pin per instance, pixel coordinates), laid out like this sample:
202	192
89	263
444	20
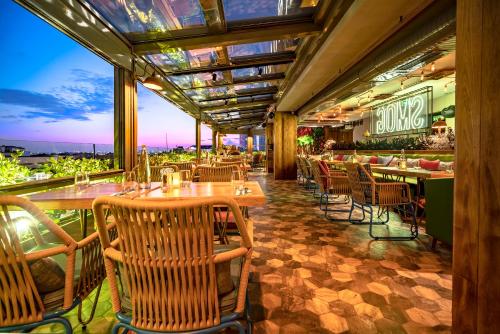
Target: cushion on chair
446	165
410	163
47	275
347	158
373	160
394	162
339	157
365	159
384	160
323	167
429	165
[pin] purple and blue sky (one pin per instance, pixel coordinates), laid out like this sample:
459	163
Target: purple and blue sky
53	89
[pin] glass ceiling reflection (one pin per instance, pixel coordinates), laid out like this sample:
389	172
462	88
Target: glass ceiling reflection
152	16
206	79
251	49
175	59
238	10
206	93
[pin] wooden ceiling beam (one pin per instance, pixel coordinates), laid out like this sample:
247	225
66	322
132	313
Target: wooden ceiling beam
265	32
242	62
234	107
245	80
252	92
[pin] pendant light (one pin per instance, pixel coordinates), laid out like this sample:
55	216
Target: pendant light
153	82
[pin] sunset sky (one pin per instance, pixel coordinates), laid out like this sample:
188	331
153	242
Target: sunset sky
53	89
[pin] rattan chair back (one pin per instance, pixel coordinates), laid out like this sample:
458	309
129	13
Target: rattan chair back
20	300
166	252
184	165
232	159
361	182
216	174
319	179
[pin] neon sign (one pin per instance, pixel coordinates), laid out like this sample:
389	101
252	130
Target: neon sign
402	115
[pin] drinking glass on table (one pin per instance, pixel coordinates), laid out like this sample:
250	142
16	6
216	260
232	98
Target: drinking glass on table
129	182
238	182
185	178
81	180
166	179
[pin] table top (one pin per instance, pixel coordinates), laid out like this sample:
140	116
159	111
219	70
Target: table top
413	172
341	162
68	198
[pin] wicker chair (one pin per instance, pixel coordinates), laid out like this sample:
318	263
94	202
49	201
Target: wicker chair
215	174
240	165
307	173
174	279
41	281
332	185
185	165
367	193
237	159
156	171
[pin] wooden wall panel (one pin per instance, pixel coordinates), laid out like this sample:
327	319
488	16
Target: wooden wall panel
285	146
476	248
270	147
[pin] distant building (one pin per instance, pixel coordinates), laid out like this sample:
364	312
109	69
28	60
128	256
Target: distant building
7	150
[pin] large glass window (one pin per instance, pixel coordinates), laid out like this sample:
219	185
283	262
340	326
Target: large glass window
161	125
56	98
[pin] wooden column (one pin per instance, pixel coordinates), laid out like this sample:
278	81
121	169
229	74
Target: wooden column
125	120
250	142
198	138
476	233
285	146
220	142
214	140
269	148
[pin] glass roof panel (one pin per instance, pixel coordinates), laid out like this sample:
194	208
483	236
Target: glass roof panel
199	79
254	85
254	71
237	10
205	93
176	59
242	50
151	16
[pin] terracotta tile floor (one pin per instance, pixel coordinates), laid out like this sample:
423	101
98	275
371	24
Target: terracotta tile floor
311	275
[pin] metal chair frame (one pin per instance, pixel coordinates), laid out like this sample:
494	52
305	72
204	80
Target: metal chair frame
367	193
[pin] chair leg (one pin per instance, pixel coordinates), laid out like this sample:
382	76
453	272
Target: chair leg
84	323
434	243
413	227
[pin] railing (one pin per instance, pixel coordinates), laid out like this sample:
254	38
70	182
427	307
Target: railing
40	185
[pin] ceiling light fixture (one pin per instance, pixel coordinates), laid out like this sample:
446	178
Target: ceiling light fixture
259	72
153	82
422	75
214	76
433	67
402	85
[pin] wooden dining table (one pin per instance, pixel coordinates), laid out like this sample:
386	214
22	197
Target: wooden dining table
68	198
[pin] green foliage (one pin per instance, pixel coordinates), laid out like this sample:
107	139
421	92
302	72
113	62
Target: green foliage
162	158
305	140
11	171
396	143
68	166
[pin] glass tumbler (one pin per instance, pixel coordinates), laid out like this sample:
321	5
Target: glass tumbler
129	182
185	178
81	181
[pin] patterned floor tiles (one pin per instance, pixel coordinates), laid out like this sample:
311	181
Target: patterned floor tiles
312	275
